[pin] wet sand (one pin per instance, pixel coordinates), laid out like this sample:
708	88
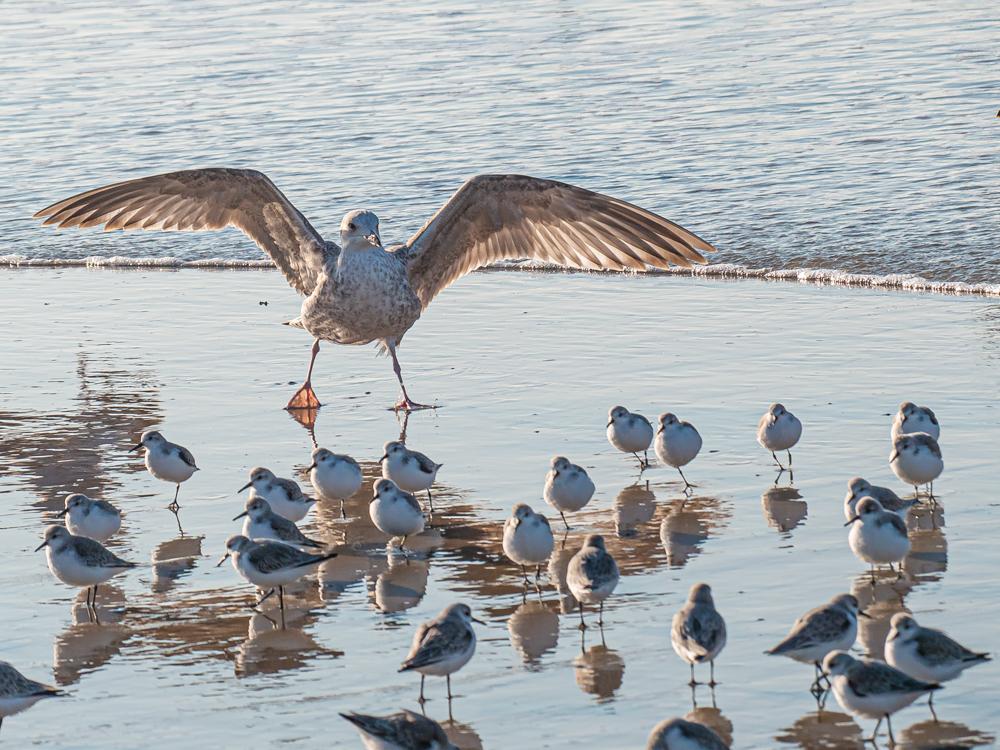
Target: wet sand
524	367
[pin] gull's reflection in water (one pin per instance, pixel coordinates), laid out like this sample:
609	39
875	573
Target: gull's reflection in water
633	505
824	730
173	560
599	670
401	584
276	642
783	509
880	602
712	718
928	556
934	735
534	631
687	527
94	638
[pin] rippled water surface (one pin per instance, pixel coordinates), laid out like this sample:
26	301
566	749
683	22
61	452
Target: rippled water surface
839	135
523	370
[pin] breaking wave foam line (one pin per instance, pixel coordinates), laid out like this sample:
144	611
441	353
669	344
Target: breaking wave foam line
819	276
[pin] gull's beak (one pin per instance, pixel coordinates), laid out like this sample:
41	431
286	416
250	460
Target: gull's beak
479	621
224	558
384	457
63	512
248	484
43	544
856	518
239	516
374	239
135	448
894	455
864	614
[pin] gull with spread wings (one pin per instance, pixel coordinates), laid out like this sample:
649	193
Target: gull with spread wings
360	292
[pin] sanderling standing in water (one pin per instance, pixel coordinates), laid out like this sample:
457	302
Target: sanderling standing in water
264	523
698	632
443	645
95	519
269	564
18	693
410	470
567	487
830	627
405	730
334	476
677	443
630	433
872	689
680	734
527	539
592	575
395	512
916	459
79	561
878	536
166	461
858	488
927	654
779	430
284	496
912	418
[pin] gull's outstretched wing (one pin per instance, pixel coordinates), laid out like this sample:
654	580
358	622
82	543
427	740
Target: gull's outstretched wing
205	199
495	216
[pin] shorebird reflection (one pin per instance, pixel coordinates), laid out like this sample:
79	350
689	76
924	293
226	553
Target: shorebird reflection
174	559
534	631
941	734
711	717
928	556
599	670
401	584
880	604
89	643
783	509
824	730
276	642
688	525
634	505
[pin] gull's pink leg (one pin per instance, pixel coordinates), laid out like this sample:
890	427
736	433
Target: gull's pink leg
305	397
404	402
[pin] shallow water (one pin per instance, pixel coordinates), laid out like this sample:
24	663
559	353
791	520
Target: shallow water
836	135
524	367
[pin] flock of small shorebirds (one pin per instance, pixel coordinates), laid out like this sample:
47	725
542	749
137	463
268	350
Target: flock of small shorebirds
272	552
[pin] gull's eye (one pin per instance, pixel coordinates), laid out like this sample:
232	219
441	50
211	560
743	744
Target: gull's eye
351	226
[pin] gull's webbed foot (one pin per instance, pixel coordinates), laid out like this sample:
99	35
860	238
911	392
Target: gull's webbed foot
304	398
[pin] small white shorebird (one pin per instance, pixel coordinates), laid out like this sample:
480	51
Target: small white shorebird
878	537
334	476
410	470
405	730
677	443
779	430
927	654
263	523
872	689
698	632
18	693
830	627
95	519
395	512
359	293
630	432
284	496
443	645
527	539
916	459
270	565
912	418
858	488
680	734
592	575
567	487
167	461
79	561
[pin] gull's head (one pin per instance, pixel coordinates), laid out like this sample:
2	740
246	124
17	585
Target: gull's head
391	449
701	593
904	627
384	487
76	500
235	545
150	439
666	420
359	230
858	487
616	414
837	662
522	511
257	508
258	475
52	536
320	456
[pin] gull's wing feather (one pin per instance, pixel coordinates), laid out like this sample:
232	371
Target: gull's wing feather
494	217
205	199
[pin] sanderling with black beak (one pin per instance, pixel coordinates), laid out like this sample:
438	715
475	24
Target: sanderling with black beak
912	418
527	539
916	459
677	443
166	461
592	575
630	432
79	561
395	512
443	645
18	693
334	475
878	536
858	488
95	519
680	734
567	487
284	496
270	565
263	523
405	730
698	632
872	689
779	430
410	470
